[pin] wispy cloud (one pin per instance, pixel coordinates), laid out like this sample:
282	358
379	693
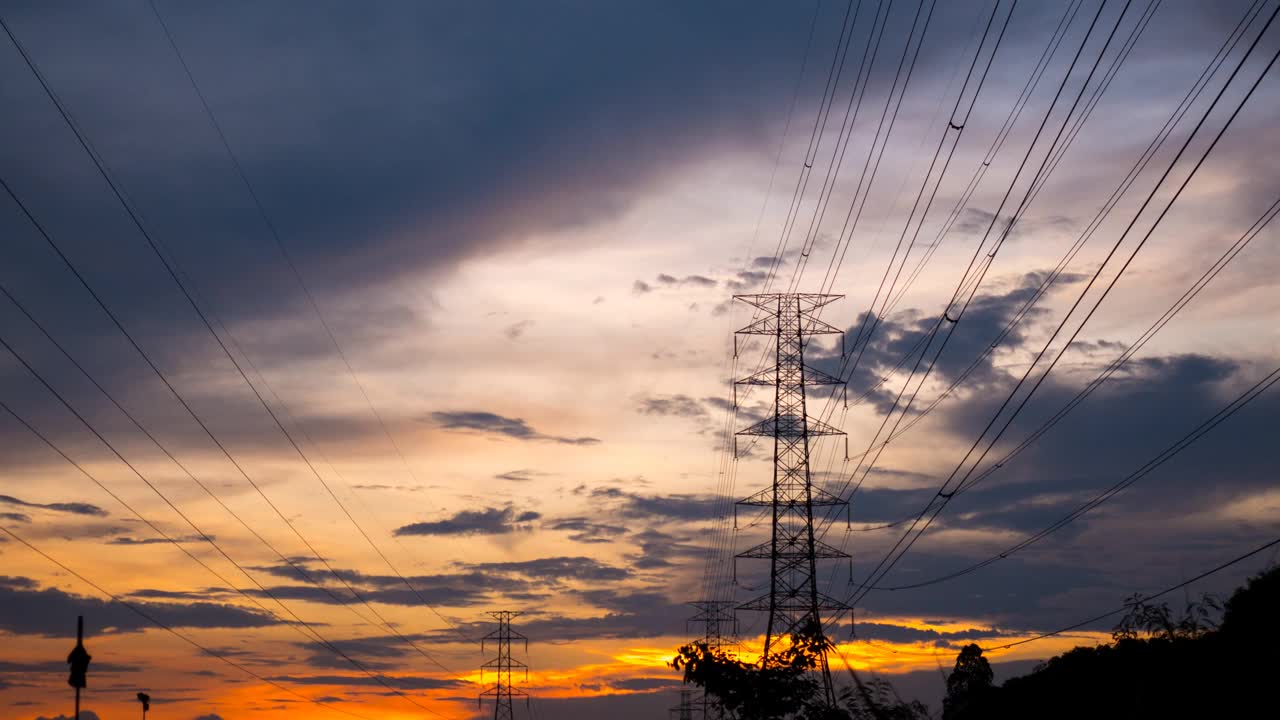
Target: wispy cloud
489	521
74	508
494	424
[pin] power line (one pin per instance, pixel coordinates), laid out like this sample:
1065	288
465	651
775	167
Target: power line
199	531
945	316
724	480
1148	598
943	493
1115	365
293	268
141	428
98	162
153	620
1191	96
1014	113
1148	467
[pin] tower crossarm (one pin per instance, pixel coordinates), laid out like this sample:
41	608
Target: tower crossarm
807	325
819	498
789	427
768	377
796	549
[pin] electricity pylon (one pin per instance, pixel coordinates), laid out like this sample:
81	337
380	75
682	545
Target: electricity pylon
793	550
502	691
719	629
683	711
717	620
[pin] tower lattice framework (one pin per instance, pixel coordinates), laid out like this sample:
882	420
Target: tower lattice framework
503	691
719	630
793	550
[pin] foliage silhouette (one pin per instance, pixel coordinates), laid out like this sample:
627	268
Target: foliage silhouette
1159	666
1157	621
968	684
787	685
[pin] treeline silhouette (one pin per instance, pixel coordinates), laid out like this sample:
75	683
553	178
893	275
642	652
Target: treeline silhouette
1211	659
1160	664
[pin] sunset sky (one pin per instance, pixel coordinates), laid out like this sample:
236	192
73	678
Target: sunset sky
523	224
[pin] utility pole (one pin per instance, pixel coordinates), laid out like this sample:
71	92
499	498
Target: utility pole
719	629
793	602
502	690
78	659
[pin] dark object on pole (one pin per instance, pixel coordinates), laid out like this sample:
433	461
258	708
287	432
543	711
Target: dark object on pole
793	549
145	699
502	692
79	662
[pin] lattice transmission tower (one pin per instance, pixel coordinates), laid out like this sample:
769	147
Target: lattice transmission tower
793	602
503	665
719	627
685	710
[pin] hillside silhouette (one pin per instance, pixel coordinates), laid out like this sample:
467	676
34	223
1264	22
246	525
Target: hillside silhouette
1159	665
1211	659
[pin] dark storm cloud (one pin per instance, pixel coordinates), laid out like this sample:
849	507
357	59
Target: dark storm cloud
493	424
75	508
900	336
449	147
490	521
1123	425
31	611
1129	420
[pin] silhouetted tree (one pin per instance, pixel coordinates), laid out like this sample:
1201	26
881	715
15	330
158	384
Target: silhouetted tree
787	686
876	699
1157	621
968	684
1254	610
783	687
1159	666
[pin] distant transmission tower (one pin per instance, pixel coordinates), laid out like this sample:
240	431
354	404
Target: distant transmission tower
718	623
683	711
719	629
793	601
502	691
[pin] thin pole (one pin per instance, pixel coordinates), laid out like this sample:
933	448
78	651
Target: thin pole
79	642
